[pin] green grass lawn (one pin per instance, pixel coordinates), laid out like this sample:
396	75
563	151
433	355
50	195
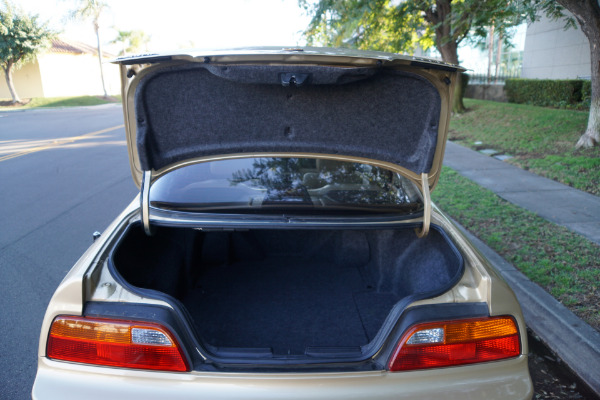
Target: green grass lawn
541	139
564	263
59	102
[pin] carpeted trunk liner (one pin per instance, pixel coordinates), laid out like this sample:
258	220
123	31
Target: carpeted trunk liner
287	304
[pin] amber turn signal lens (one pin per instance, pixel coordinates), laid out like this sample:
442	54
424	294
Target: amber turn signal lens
450	343
115	343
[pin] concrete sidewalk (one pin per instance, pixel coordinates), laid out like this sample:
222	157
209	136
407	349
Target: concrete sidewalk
573	340
578	211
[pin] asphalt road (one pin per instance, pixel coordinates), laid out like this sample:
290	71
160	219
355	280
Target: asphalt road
64	173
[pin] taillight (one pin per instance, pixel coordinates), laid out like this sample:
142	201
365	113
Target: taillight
116	343
449	343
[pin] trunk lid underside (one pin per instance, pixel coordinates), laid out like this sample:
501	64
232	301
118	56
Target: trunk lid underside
381	107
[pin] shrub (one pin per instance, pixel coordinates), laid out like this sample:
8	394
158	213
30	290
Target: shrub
465	80
586	93
569	93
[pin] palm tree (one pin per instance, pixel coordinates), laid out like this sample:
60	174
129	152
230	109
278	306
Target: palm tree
131	41
91	10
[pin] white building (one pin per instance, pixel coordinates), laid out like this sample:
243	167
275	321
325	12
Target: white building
551	52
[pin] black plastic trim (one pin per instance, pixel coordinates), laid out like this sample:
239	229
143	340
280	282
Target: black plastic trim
184	219
145	60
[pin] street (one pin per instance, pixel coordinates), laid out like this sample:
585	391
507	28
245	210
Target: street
63	176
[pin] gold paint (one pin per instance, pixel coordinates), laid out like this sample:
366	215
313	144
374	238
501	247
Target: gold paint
424	230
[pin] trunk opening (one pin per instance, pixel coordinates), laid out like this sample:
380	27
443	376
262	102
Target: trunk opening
282	293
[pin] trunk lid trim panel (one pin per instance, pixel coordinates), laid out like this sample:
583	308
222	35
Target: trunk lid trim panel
393	115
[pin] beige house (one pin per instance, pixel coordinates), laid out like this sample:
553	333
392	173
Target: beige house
67	68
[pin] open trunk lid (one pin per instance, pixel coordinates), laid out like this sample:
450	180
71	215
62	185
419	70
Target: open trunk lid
378	107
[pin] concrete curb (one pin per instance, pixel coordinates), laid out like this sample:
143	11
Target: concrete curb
572	339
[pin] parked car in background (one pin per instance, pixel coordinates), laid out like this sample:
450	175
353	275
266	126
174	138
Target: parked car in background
284	243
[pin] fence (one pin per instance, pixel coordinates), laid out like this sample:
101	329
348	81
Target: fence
484	79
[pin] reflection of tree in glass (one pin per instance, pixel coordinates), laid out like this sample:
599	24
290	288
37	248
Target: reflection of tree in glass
281	177
377	185
337	181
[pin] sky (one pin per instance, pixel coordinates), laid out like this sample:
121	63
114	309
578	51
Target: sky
174	24
476	59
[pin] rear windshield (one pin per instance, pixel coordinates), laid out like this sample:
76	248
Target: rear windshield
295	185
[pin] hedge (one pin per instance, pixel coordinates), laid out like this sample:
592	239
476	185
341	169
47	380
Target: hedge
571	93
464	80
586	93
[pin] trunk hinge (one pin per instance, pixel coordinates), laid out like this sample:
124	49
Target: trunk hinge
145	202
424	230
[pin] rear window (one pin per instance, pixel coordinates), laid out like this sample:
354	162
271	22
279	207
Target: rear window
295	185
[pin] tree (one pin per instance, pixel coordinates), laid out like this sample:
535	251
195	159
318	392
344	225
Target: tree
403	26
586	14
283	180
132	41
92	9
22	37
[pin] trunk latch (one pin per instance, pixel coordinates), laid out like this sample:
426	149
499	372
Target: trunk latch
293	79
424	230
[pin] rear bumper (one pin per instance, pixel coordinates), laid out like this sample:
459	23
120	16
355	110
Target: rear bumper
496	380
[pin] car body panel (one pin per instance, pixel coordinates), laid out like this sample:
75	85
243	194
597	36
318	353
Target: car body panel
278	53
504	380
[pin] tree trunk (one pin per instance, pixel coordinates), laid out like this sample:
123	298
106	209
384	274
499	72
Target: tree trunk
587	14
458	106
490	52
591	136
449	52
498	57
9	82
100	58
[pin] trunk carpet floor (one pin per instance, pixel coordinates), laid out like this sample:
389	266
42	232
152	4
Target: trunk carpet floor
286	305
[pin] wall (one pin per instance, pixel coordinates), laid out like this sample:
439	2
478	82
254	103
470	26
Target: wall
27	81
486	92
554	53
61	75
76	75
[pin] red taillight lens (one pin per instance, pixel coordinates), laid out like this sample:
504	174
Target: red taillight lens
449	343
116	343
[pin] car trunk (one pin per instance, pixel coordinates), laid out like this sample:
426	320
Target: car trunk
289	292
